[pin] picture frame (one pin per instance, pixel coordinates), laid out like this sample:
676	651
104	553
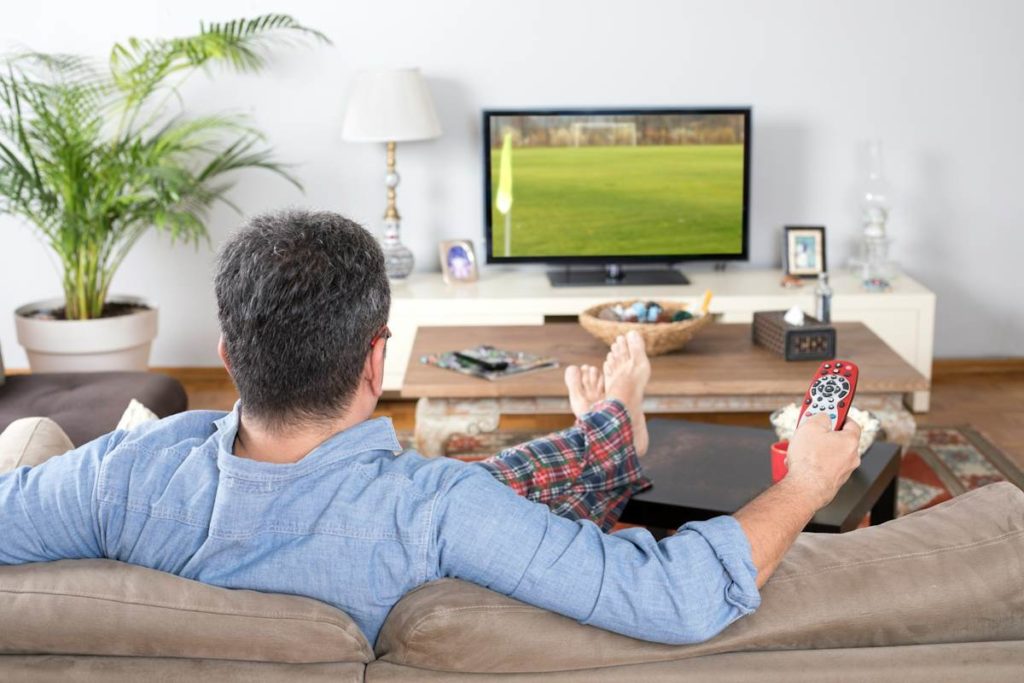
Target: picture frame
804	250
458	261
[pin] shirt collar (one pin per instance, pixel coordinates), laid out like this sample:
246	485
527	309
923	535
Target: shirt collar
377	434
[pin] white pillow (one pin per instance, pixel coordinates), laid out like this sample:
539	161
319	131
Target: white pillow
31	441
135	415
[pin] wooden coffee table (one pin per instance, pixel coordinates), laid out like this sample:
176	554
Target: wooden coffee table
701	471
720	370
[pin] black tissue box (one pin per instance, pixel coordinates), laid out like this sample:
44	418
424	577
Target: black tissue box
814	340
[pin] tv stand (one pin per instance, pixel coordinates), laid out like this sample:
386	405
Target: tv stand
614	275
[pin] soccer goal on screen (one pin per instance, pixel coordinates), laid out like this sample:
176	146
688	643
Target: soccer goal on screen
603	133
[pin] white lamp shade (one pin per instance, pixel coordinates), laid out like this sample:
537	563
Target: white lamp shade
390	105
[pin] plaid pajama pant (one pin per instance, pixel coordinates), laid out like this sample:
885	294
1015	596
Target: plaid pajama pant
588	471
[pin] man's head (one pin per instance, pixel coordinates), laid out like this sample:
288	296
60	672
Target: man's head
302	298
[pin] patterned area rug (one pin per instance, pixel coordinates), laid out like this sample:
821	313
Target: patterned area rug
941	462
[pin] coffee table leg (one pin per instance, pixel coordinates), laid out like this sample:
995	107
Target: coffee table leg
885	509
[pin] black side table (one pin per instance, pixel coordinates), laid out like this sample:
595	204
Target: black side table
701	471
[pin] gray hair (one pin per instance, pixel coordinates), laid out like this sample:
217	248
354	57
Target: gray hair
300	297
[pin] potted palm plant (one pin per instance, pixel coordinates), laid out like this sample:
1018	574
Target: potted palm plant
93	157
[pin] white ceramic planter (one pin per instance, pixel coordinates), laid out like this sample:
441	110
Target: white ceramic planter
119	343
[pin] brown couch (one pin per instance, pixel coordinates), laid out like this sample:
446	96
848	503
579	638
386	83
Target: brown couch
937	595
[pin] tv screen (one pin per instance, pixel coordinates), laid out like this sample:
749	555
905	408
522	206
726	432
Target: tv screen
618	185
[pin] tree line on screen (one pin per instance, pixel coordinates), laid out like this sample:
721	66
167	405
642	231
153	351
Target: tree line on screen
651	129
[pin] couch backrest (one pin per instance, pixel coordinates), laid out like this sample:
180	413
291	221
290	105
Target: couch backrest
102	607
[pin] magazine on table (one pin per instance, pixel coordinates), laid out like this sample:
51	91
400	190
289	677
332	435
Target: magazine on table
489	362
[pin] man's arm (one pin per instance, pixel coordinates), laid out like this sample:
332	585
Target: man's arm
49	512
819	461
685	588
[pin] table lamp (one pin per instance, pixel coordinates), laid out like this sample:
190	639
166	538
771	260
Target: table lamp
391	106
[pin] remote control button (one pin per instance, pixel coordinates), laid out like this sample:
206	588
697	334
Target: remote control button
808	401
832	415
826	365
836	371
839	365
842	404
847	373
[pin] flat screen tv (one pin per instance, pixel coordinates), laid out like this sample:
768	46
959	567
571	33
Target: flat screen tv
616	187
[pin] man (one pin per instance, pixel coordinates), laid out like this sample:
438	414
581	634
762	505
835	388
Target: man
298	491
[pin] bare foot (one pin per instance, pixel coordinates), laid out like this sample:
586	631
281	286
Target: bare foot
626	372
586	387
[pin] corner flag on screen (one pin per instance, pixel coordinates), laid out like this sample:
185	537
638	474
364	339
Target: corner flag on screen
503	200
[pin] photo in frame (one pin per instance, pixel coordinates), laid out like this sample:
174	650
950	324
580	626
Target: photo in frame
804	250
458	261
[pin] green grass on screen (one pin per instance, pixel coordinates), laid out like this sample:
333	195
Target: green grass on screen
597	201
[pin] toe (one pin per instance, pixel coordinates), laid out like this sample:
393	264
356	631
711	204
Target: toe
619	347
593	381
635	344
573	378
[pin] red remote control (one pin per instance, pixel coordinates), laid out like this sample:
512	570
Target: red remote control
831	392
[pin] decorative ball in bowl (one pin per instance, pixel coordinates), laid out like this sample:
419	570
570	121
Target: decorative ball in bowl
667	326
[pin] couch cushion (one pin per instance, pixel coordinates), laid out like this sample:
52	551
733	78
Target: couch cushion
102	607
92	669
87	404
30	441
954	573
998	662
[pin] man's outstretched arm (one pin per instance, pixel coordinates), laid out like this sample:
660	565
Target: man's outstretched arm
683	589
49	512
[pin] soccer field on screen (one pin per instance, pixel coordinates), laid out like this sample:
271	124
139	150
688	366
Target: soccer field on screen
601	201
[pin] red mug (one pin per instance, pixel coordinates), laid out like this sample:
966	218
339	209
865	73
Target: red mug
779	469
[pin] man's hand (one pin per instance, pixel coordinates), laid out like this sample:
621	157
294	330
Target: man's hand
821	460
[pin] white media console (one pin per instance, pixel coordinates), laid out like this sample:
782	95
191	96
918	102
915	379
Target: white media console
903	317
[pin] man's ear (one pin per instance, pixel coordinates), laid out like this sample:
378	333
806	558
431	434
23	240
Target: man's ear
222	351
375	367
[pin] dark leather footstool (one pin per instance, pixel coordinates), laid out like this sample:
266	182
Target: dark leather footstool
87	405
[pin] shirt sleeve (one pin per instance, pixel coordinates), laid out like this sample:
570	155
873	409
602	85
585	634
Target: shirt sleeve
49	512
683	589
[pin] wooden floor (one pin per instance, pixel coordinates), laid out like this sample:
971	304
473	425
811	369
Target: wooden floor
985	394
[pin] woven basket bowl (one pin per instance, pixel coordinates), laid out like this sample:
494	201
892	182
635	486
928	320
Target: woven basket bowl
660	338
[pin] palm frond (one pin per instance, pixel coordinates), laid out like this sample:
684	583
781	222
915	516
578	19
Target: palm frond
90	159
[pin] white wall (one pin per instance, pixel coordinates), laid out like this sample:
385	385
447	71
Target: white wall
941	82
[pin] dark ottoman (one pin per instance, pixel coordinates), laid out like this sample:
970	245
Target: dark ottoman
87	404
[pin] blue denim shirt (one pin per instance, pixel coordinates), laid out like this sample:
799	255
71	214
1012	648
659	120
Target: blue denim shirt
358	524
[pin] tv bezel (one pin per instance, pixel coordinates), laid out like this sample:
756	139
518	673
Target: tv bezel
743	255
